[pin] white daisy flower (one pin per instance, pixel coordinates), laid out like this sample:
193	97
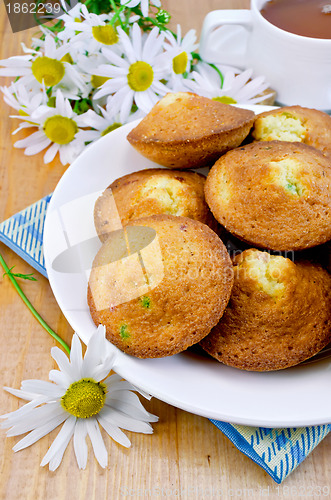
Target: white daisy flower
81	398
72	16
46	66
144	5
70	13
179	51
102	123
234	89
87	64
57	127
136	76
23	100
93	32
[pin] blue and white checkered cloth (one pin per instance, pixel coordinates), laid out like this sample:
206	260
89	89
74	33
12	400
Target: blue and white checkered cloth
277	451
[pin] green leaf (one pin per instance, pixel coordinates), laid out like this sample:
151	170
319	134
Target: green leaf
19	275
82	106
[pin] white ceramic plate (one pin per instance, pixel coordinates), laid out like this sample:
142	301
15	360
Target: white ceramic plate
297	396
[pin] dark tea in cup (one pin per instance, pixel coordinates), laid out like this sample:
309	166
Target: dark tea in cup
291	50
310	18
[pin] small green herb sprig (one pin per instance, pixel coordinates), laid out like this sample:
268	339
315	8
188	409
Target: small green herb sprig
12	276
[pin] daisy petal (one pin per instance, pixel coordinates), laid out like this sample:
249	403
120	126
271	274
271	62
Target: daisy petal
28	396
143	101
55	453
151	47
36	148
129	403
50	153
23	412
60	378
136	41
80	445
34	138
38	433
125	422
98	445
94	351
41	387
76	357
100	372
129	51
41	415
114	432
144	7
126	104
62	362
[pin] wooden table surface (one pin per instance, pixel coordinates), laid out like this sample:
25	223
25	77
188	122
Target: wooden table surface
186	457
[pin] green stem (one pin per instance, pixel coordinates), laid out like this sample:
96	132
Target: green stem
158	25
219	73
117	15
30	306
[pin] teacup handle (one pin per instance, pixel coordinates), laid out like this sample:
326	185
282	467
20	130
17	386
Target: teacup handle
216	19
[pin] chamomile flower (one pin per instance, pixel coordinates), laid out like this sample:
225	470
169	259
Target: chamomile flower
71	13
235	88
58	129
136	76
179	50
100	124
45	66
81	396
144	5
71	16
94	31
24	101
87	64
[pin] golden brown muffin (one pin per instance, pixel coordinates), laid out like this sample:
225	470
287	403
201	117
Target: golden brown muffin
185	130
181	293
151	192
274	195
295	124
279	314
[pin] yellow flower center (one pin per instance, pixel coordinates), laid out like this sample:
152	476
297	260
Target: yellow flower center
60	129
112	127
179	63
21	112
51	71
97	80
84	398
67	58
105	34
225	99
140	76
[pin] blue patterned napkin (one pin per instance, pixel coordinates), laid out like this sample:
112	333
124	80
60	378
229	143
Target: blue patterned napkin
277	451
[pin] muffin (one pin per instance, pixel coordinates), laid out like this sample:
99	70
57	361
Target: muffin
185	130
176	295
274	195
151	192
295	124
279	314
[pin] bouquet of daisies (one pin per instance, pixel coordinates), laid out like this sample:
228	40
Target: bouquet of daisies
92	70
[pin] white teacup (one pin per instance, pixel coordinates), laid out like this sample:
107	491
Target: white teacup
298	68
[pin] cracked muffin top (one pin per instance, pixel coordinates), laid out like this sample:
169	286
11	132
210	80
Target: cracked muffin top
279	313
160	285
274	195
151	192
